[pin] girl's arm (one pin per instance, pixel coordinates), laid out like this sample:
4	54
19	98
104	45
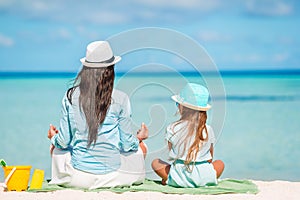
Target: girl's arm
168	137
212	141
211	150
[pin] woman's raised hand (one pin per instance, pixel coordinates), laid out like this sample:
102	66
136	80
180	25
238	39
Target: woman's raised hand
142	133
52	131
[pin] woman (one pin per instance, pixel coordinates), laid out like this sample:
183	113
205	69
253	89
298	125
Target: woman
94	146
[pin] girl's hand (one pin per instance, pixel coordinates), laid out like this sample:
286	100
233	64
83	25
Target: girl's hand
142	133
52	131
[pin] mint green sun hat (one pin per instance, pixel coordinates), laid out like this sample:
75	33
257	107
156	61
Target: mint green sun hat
193	96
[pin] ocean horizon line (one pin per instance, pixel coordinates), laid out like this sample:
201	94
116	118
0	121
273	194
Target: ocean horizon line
67	74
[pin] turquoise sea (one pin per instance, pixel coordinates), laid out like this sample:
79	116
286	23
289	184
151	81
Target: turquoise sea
255	116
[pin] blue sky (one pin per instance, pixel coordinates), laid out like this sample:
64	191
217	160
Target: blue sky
238	35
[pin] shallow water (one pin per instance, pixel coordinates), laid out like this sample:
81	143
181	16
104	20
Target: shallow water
255	120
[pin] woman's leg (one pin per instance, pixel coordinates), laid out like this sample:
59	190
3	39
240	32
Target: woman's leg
219	167
133	169
144	148
61	169
51	149
162	169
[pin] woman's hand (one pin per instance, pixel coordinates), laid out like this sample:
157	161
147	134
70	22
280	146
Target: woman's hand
52	131
142	133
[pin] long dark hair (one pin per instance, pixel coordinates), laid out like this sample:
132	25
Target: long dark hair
96	86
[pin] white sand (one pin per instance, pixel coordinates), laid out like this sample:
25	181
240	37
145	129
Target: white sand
268	190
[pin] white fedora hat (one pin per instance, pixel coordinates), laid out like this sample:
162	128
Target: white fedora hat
99	54
193	96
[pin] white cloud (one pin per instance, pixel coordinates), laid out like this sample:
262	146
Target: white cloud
120	11
249	58
105	17
87	33
269	8
213	36
183	4
40	6
259	59
280	57
285	40
64	33
29	7
110	12
178	60
97	12
5	3
60	34
6	41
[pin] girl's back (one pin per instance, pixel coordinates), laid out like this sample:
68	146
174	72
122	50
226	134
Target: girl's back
176	134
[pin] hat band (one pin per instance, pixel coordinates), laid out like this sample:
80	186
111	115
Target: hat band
106	61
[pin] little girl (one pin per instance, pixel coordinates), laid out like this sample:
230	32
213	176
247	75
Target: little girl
190	142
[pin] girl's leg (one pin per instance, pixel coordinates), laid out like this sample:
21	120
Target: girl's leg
162	169
219	167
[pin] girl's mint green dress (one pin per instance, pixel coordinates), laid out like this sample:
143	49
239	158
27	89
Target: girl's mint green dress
200	172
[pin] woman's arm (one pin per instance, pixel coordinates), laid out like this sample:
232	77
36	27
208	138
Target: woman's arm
169	146
61	138
129	141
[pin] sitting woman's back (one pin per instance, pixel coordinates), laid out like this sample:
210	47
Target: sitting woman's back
96	128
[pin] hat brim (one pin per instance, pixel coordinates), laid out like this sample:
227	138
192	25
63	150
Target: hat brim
176	98
99	65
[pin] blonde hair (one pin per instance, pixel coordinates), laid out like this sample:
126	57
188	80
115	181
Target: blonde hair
196	123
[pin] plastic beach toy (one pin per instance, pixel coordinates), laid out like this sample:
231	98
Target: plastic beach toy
4	185
17	177
2	163
37	179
